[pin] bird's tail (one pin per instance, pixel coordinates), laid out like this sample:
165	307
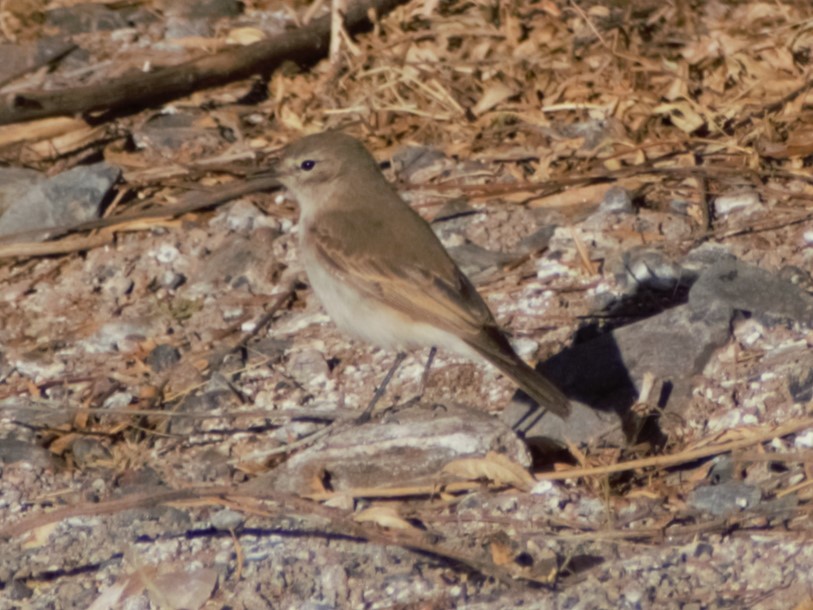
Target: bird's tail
494	347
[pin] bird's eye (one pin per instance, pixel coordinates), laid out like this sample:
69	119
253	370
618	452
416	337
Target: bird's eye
307	165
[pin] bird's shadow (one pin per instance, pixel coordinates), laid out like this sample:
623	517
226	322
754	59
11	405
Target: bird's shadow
599	377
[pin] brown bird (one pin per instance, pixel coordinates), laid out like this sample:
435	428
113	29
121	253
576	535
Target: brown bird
379	269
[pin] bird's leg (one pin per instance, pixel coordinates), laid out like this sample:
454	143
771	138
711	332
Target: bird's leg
425	377
382	388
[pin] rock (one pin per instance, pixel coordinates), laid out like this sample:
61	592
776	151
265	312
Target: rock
118	401
18	590
419	164
38	366
242	217
747	202
594	131
170	132
239	261
607	372
308	367
617	200
649	268
537	241
739	286
83	18
804	440
227	519
18	59
13	451
90	452
453	209
194	18
584	425
672	345
66	199
704	256
203	9
119	336
473	260
162	357
208	402
15	182
725	499
408	446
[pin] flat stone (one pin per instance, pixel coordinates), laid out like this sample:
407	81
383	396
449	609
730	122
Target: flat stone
725	499
15	182
64	200
404	447
766	295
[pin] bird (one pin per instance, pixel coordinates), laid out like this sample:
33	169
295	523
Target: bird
381	272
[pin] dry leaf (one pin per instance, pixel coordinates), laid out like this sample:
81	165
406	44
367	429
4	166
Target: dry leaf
494	94
38	537
245	36
682	115
182	589
494	467
385	516
39	130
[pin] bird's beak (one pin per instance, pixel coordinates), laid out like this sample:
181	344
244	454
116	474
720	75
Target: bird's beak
274	168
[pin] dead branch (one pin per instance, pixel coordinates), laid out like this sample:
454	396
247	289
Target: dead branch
288	504
305	45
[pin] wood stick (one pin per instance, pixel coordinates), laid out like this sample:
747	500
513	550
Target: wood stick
305	45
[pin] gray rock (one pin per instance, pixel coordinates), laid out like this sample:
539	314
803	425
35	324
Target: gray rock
594	131
217	400
24	57
90	452
616	200
585	424
15	182
538	240
227	519
163	357
746	202
13	451
725	499
30	414
18	590
308	366
766	295
204	9
418	163
116	336
454	209
645	267
409	446
81	18
473	259
704	256
168	133
240	261
672	345
606	373
69	198
800	382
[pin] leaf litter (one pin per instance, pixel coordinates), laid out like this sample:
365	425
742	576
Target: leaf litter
533	113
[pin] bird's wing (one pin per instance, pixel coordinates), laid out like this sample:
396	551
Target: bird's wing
421	281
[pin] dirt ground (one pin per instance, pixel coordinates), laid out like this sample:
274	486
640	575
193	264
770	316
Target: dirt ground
626	183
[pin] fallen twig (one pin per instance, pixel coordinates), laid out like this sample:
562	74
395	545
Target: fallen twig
305	45
663	461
